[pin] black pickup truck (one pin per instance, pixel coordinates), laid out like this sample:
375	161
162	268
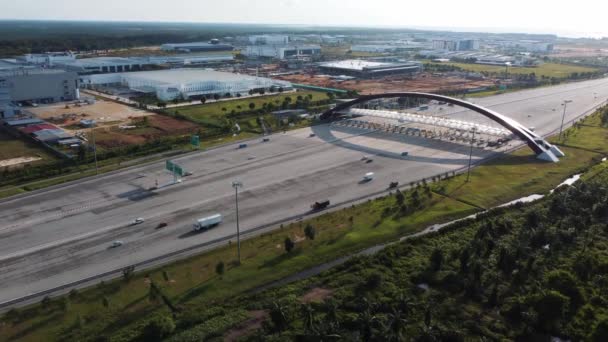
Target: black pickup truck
319	205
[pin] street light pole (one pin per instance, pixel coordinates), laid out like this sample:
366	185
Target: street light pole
94	151
236	185
470	154
561	127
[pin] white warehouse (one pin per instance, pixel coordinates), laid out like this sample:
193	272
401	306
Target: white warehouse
184	83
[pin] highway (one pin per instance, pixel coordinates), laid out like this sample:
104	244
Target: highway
53	237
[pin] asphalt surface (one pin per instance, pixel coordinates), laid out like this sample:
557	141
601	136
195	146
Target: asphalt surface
54	237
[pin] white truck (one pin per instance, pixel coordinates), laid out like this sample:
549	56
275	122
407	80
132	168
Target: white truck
208	222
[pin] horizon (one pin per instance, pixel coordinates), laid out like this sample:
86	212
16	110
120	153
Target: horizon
463	29
469	16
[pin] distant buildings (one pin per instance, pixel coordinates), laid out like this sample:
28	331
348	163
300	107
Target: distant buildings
526	46
214	45
456	45
382	48
172	84
370	69
39	85
281	52
48	59
123	64
268	39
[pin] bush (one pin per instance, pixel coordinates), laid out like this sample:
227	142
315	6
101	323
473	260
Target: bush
159	328
289	244
310	232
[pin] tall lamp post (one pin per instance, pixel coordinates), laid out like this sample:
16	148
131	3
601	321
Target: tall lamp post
236	185
471	154
94	150
561	127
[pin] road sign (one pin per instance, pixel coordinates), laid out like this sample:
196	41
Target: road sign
176	169
195	141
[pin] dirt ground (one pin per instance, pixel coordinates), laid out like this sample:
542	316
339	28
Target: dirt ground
157	126
247	327
316	295
424	82
104	112
17	161
565	51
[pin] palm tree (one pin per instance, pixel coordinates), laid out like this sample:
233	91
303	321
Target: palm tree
366	321
310	321
278	316
396	326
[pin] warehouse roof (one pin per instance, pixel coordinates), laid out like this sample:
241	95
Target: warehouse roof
185	76
22	122
35	128
360	65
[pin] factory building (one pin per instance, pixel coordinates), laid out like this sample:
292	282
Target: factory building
281	52
269	39
214	45
102	65
456	45
185	83
370	69
98	65
48	58
40	85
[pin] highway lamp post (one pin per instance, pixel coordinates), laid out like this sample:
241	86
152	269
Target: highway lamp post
470	154
561	127
94	150
236	185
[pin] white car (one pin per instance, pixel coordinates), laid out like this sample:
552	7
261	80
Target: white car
116	243
137	221
368	177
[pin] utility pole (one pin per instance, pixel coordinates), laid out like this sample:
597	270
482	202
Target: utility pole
236	185
561	127
470	154
94	151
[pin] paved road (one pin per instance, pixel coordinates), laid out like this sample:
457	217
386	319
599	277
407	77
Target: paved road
62	235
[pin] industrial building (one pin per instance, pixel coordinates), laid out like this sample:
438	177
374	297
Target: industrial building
282	52
456	45
99	65
370	69
185	83
39	85
196	47
381	48
269	39
48	59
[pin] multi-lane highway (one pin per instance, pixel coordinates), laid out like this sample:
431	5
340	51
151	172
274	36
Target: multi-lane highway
53	237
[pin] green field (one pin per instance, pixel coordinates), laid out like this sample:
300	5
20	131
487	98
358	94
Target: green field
212	113
193	283
545	69
13	148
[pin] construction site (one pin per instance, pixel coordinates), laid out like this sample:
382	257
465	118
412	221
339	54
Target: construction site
423	82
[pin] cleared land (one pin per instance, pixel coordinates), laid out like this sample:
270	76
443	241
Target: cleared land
12	149
545	69
424	82
145	130
104	112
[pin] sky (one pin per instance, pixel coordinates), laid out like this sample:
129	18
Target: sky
581	18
